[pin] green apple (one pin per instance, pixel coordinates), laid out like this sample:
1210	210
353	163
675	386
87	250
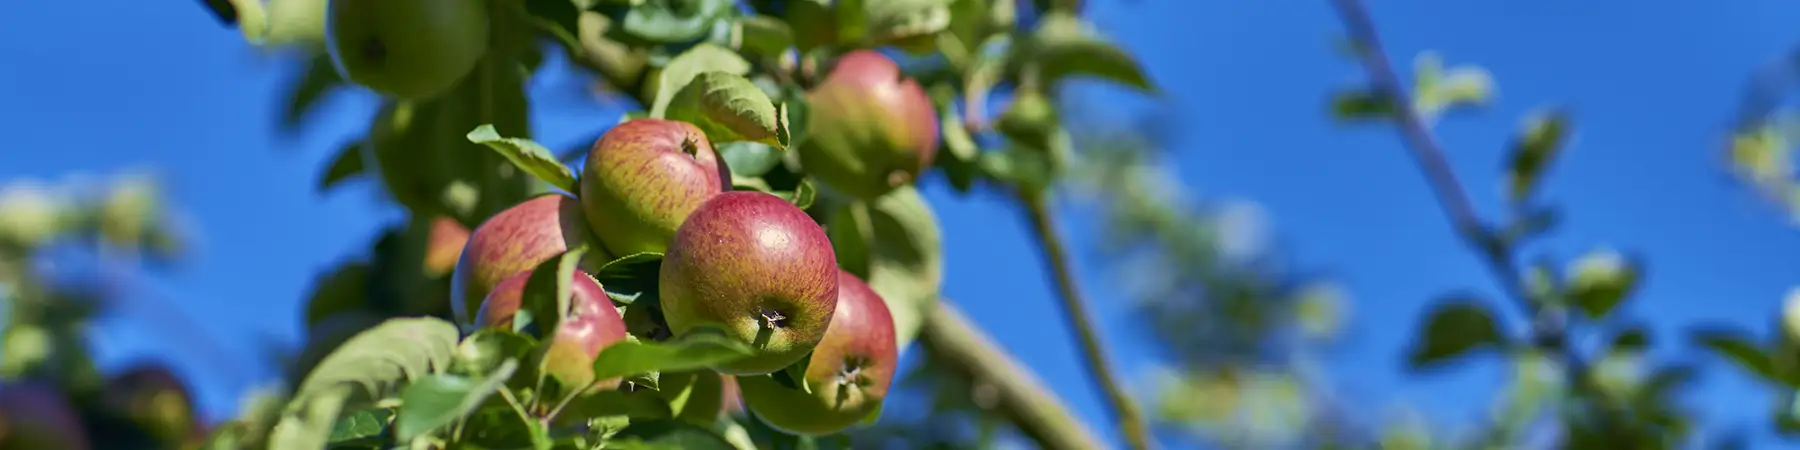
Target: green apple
871	128
592	325
757	268
408	49
516	240
641	180
848	374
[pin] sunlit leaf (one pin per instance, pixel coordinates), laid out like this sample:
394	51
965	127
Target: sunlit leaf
730	108
529	156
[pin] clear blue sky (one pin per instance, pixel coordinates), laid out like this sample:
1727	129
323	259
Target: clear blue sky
103	86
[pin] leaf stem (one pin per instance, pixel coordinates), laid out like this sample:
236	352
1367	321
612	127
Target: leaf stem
1131	422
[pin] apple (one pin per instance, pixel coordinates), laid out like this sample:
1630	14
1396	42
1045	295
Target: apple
407	49
593	323
757	268
153	398
849	371
444	245
871	128
515	240
641	180
35	415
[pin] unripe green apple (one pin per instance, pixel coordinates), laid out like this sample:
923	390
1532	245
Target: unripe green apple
642	179
593	324
515	240
444	245
408	49
153	398
849	372
38	416
757	268
871	128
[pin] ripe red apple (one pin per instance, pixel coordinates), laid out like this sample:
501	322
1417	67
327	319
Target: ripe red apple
757	268
642	179
515	240
592	325
38	416
153	398
444	245
871	129
849	372
410	49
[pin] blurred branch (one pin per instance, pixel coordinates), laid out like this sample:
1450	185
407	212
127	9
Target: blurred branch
1429	153
950	338
1131	421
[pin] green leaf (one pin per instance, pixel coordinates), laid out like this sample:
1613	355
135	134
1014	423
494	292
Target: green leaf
1361	105
896	21
1533	148
488	348
803	195
667	21
898	252
380	358
681	70
306	422
1438	90
1064	45
367	426
1600	280
763	35
749	159
630	278
1455	327
347	164
696	350
529	156
728	108
342	289
222	11
668	434
1634	338
303	94
438	400
1739	348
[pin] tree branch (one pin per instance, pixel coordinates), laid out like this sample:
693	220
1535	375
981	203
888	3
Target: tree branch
1131	422
951	339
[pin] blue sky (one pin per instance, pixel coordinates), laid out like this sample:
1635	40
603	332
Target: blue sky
104	86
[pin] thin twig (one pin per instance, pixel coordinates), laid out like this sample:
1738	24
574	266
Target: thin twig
1131	422
1429	153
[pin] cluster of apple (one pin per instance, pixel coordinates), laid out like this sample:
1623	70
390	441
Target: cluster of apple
746	263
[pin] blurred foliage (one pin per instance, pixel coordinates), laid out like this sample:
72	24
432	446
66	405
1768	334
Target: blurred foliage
68	253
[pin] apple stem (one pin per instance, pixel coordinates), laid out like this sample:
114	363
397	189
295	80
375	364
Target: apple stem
1131	422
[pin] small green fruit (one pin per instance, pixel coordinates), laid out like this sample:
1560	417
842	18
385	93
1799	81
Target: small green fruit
408	49
872	129
515	240
593	324
849	372
756	267
642	179
154	399
37	416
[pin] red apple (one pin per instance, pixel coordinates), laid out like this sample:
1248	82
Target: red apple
444	245
757	268
152	397
593	324
516	240
871	128
642	179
